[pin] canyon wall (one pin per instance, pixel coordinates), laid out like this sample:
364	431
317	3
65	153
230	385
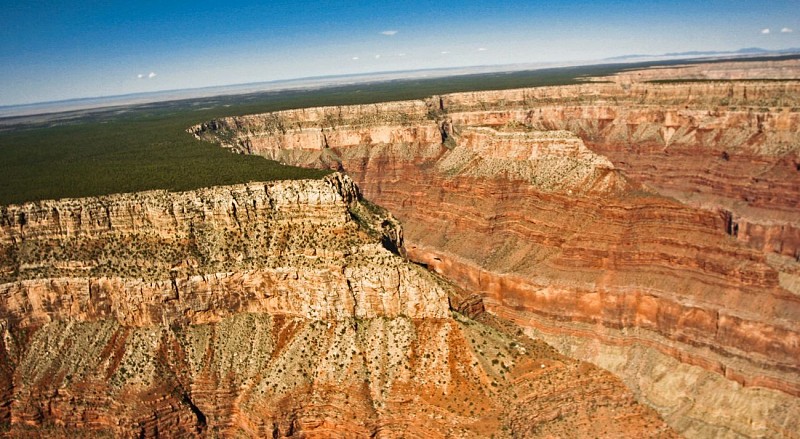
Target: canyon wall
248	248
618	221
282	309
731	147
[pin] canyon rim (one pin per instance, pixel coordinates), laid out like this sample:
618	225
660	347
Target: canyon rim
647	222
616	258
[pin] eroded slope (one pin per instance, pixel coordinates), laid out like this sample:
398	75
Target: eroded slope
283	309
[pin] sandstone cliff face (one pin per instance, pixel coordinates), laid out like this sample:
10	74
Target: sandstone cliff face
727	146
281	309
732	148
543	201
188	258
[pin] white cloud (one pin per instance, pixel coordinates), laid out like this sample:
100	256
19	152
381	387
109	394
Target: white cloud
377	57
445	52
765	31
389	33
355	58
151	75
140	76
786	30
401	54
482	49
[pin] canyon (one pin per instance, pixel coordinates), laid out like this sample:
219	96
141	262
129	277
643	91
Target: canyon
647	222
615	258
279	309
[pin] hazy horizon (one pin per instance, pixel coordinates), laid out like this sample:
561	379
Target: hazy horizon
59	52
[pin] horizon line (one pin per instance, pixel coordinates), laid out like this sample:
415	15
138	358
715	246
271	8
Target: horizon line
7	110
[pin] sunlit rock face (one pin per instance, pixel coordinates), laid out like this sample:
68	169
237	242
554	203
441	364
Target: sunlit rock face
281	309
652	228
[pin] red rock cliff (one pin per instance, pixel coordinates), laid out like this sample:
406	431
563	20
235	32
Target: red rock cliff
281	309
507	193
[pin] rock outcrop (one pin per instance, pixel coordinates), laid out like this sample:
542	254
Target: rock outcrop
204	255
731	147
282	309
626	223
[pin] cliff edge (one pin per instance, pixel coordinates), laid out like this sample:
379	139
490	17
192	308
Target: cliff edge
281	309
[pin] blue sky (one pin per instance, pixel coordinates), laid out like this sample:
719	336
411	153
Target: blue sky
60	50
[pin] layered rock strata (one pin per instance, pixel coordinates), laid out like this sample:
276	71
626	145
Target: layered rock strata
730	147
722	146
505	193
281	309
